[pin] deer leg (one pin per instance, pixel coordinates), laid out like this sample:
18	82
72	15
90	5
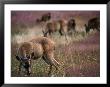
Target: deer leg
50	70
66	38
45	35
19	70
28	71
60	31
48	62
50	34
28	67
51	62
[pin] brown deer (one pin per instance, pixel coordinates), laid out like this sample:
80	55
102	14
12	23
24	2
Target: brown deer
93	23
56	26
62	26
71	26
45	17
40	47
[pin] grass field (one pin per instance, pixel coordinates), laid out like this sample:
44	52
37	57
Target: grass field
79	57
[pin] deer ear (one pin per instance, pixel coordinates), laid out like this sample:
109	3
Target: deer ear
18	58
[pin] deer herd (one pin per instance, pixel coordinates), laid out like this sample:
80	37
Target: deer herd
44	47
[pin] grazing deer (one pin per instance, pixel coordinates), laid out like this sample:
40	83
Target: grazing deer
40	47
71	25
56	26
62	26
46	17
93	23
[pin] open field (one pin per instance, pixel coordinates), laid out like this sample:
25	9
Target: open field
80	57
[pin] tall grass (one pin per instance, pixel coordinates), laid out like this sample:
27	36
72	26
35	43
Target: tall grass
79	57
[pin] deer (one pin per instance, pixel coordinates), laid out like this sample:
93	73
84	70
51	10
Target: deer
56	26
93	23
44	18
71	26
40	47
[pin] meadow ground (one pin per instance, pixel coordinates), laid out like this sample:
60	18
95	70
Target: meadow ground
80	57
